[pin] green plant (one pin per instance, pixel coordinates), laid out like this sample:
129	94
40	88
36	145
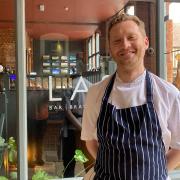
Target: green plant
12	154
41	175
2	142
13	175
12	150
3	178
78	157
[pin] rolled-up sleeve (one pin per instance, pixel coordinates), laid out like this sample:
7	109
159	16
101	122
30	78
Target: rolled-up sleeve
90	115
174	124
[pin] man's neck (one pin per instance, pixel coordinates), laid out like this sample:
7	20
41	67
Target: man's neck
128	76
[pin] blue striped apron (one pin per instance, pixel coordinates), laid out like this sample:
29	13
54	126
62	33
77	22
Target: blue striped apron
130	141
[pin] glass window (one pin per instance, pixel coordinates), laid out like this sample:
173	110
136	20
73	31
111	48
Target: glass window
130	10
93	44
8	91
173	53
63	43
97	60
176	57
93	55
172	41
90	47
97	42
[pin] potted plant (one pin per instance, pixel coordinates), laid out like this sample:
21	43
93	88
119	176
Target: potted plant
78	156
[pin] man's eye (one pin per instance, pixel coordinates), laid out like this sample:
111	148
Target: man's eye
131	37
117	41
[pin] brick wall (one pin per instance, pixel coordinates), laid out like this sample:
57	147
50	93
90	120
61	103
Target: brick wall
169	47
8	50
7	47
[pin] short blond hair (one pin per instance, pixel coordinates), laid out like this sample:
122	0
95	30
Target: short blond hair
125	17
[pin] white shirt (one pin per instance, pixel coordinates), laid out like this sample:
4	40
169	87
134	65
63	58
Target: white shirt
166	99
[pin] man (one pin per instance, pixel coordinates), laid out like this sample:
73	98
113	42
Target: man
129	127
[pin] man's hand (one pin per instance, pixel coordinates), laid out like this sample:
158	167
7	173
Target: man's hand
92	147
173	159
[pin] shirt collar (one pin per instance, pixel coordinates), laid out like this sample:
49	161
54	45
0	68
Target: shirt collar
137	80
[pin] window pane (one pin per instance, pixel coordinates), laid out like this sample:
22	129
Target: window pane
90	47
97	42
173	43
97	60
90	63
8	92
93	44
94	62
130	10
173	53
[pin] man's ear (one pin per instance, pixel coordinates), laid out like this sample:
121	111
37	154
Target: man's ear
146	41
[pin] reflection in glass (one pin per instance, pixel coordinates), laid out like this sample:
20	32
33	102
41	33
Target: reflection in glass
62	46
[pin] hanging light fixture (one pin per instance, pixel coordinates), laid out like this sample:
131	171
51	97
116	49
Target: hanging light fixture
59	47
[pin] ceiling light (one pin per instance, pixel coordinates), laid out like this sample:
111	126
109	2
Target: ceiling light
41	7
66	8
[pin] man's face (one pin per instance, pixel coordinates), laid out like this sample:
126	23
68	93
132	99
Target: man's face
128	45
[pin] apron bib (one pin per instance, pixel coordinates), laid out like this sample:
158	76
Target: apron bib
130	141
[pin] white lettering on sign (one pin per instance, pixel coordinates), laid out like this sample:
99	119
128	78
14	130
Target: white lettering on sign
78	89
59	107
50	91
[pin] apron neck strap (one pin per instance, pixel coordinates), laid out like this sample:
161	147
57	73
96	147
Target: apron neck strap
149	90
109	88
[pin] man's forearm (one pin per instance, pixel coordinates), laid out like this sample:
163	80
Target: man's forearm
92	147
173	159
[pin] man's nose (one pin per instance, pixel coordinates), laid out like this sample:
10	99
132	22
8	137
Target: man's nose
125	43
